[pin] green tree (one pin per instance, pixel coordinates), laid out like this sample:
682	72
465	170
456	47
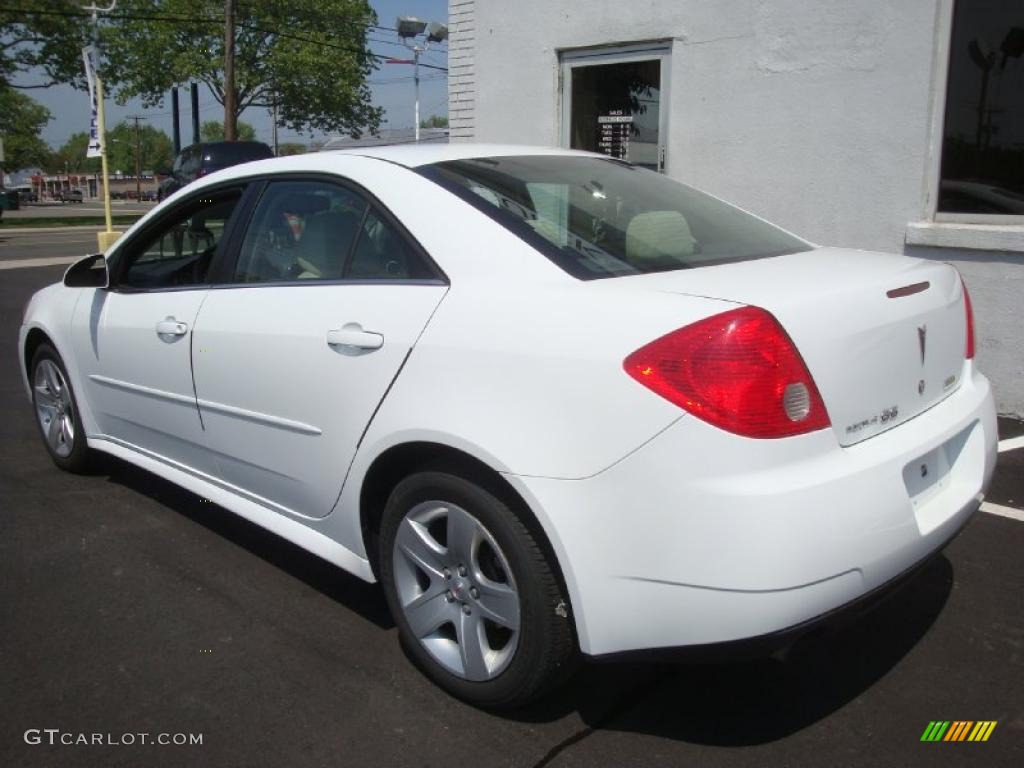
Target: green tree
43	39
308	57
71	156
21	121
434	121
213	130
157	150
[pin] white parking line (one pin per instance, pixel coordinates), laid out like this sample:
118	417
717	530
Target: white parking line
1011	444
999	509
46	262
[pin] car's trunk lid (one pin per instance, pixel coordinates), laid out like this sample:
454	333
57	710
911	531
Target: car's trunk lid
883	336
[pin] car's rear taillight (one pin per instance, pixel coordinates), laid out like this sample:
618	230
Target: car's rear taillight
738	370
969	350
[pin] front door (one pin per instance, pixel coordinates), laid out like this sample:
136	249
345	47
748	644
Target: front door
613	103
133	341
291	360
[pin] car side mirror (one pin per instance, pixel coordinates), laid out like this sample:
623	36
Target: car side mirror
90	272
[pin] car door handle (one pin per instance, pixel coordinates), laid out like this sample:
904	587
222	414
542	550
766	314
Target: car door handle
354	336
171	327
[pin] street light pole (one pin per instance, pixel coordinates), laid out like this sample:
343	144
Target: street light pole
416	77
409	27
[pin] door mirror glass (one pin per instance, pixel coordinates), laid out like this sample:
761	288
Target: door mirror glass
90	272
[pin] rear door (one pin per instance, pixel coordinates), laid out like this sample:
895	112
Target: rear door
324	300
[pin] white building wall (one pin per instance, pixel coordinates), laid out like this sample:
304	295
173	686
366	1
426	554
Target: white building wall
461	73
816	114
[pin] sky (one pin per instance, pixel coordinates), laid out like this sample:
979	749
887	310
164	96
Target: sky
70	107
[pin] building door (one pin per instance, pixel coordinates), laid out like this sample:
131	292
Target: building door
612	102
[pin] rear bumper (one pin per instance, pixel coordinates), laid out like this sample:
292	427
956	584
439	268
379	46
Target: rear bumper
762	646
701	537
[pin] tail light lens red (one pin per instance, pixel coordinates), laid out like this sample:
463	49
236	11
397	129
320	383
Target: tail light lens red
969	351
739	371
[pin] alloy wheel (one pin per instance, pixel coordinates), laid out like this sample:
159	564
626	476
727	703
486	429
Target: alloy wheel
54	408
456	590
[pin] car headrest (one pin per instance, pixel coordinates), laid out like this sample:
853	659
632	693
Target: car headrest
659	236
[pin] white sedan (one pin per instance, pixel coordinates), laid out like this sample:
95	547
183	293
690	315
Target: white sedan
555	403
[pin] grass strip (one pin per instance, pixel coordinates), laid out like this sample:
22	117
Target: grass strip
65	221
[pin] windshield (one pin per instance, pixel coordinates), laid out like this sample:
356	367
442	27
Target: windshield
602	218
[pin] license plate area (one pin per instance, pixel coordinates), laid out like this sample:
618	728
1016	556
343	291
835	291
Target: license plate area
926	476
940	482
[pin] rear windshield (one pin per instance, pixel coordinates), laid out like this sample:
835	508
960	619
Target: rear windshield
604	218
236	152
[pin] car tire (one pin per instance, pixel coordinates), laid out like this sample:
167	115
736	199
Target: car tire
460	626
56	411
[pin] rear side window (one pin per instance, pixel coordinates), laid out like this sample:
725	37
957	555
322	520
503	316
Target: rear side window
383	253
603	218
190	162
300	230
308	231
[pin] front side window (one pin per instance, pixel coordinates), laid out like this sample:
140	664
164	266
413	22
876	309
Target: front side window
181	250
983	136
602	218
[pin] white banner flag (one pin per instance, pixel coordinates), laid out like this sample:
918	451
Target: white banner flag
89	57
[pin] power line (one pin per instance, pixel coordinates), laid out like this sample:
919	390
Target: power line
135	16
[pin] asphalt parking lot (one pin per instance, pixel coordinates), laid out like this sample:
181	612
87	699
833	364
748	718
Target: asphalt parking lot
129	606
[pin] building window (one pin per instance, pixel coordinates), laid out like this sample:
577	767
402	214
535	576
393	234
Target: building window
612	102
982	170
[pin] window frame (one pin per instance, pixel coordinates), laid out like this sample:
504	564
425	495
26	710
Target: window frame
626	53
224	276
142	238
933	172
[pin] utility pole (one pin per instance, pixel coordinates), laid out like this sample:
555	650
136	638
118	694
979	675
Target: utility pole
230	116
108	237
138	157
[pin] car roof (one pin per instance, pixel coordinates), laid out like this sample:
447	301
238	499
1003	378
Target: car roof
407	156
416	155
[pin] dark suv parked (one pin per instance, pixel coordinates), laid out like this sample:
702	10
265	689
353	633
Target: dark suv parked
200	159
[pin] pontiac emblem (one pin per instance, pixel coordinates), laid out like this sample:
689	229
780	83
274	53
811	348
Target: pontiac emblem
922	332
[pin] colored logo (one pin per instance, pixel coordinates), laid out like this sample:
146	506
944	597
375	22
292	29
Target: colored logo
958	730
